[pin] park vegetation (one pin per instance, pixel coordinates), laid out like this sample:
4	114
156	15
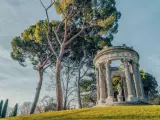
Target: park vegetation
4	112
105	113
64	50
49	43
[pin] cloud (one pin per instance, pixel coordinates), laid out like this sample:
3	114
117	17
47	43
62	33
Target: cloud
17	83
138	27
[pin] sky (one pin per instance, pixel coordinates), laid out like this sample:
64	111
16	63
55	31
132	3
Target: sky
138	27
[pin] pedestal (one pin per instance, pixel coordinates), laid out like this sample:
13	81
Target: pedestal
132	98
101	102
120	98
109	99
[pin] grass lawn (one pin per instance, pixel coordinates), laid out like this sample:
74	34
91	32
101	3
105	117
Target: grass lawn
104	113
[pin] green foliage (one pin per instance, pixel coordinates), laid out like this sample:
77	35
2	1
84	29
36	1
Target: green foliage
4	111
115	81
101	19
1	105
150	84
156	100
32	45
88	90
14	113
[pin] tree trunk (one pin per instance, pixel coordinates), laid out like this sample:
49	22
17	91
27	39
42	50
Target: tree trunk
58	86
66	92
38	89
78	89
65	99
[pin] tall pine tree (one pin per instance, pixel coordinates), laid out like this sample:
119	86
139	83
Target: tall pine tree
1	105
15	110
4	111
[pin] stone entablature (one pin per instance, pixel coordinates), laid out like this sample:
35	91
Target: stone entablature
132	84
116	53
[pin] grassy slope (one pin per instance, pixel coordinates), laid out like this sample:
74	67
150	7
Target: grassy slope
114	112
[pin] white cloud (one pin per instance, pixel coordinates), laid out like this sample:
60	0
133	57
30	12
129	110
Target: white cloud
17	83
139	27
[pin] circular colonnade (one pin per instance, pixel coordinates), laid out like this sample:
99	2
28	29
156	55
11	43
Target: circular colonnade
131	90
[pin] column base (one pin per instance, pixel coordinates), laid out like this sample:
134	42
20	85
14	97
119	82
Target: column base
101	102
120	98
132	98
109	99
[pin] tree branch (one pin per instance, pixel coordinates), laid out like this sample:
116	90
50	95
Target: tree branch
47	66
44	63
49	42
75	36
56	34
71	92
84	73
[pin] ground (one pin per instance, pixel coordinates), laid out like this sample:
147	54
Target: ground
104	113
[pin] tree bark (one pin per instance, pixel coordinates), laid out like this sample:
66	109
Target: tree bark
58	86
66	96
66	92
78	89
38	89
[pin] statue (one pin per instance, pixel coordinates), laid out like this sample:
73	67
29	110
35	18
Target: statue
119	90
119	96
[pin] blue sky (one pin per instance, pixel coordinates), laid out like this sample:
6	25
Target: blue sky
139	27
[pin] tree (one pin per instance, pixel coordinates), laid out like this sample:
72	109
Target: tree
82	54
150	85
78	16
15	110
25	108
4	111
156	100
32	46
9	111
46	104
1	106
68	81
88	90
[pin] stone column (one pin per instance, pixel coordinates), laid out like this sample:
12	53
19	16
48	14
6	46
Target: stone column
125	89
97	82
136	79
109	83
141	85
131	96
102	88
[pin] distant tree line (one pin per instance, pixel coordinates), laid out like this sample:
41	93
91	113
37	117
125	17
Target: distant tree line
4	108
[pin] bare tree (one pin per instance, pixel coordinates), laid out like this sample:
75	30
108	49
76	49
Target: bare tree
83	69
68	82
65	37
25	108
46	104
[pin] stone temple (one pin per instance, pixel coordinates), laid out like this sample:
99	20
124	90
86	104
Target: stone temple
130	91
